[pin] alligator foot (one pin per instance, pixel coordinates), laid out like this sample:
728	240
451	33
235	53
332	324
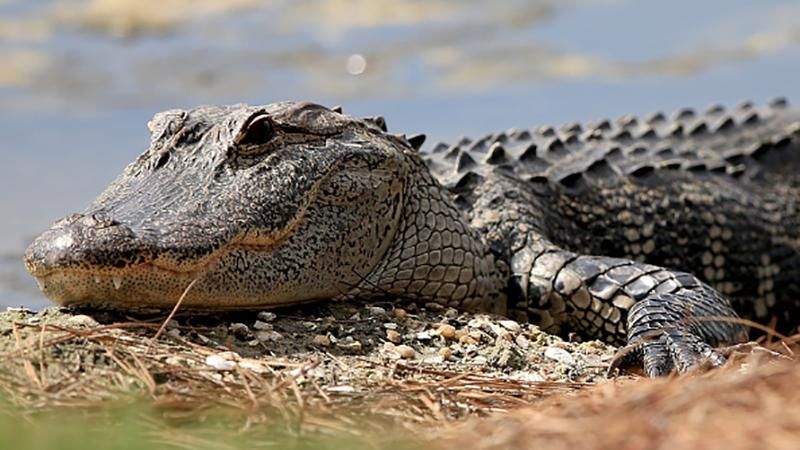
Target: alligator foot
669	332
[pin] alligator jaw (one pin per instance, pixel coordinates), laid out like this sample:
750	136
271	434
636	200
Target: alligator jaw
147	284
115	288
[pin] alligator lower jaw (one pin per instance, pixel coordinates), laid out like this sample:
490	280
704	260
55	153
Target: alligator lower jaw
144	285
147	287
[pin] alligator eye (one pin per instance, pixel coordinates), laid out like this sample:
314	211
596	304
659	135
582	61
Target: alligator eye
258	132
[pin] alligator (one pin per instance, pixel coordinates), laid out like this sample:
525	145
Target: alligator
659	232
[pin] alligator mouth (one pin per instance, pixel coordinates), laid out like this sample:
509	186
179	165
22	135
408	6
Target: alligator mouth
114	276
145	284
41	272
130	286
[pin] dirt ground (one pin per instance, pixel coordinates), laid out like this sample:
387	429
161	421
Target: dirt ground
450	377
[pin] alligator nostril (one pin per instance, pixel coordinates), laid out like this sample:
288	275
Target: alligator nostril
81	240
99	220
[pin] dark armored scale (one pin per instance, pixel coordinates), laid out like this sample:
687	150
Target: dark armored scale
653	232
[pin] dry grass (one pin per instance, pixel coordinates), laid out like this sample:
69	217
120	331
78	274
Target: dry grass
48	366
752	403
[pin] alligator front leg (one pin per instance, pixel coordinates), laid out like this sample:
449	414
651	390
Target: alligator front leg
669	319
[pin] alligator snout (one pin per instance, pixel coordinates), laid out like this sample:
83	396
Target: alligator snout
84	241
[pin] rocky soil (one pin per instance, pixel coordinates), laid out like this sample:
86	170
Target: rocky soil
342	353
362	369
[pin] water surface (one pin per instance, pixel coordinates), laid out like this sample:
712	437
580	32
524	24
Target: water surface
80	78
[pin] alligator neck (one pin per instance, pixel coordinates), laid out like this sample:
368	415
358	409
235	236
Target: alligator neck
437	256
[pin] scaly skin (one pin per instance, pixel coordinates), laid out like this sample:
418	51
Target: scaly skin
578	229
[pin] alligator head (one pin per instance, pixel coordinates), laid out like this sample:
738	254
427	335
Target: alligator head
263	205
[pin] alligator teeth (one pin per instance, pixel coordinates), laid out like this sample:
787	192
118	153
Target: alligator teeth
117	282
42	284
97	280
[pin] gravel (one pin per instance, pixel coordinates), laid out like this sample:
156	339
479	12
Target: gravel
349	339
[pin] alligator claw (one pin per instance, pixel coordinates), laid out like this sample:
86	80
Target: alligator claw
674	332
680	350
677	350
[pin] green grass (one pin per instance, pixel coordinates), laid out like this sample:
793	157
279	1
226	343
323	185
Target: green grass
143	427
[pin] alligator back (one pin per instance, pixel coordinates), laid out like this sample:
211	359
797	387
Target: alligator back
713	194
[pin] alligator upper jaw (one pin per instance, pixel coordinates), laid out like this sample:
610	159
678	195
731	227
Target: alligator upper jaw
90	242
91	259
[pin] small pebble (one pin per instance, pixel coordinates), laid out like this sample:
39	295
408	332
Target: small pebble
510	325
405	351
446	353
263	326
174	332
240	330
322	340
353	347
393	336
478	322
377	311
267	316
423	336
219	363
390	326
481	360
400	313
81	320
560	355
431	358
267	336
528	377
447	331
466	339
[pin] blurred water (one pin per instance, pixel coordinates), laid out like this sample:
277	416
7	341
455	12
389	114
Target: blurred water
80	78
